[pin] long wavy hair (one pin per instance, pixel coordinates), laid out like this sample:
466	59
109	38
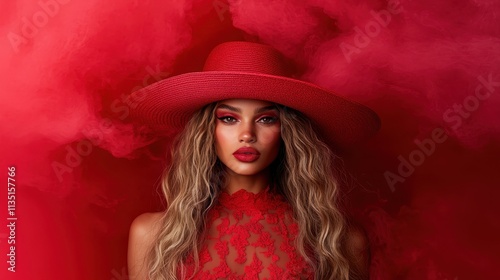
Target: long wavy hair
302	173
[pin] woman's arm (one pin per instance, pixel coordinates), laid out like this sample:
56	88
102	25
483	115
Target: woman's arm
358	253
143	231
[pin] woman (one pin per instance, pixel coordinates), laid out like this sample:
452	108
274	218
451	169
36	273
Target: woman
251	191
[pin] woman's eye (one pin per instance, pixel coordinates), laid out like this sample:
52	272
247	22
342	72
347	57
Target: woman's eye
227	119
268	119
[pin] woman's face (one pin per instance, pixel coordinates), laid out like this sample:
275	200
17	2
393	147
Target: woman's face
247	123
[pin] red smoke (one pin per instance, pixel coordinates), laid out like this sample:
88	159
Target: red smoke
425	189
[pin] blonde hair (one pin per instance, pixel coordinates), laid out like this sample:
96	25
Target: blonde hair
303	174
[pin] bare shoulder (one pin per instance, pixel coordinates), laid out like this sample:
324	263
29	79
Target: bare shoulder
143	232
144	229
146	224
358	252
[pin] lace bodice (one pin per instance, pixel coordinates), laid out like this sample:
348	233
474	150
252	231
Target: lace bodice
250	236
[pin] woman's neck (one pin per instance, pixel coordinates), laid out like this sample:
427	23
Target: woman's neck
251	183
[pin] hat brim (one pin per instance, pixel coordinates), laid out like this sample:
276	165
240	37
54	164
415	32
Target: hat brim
170	103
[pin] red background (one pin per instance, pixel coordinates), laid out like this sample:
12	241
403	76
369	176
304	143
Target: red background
63	83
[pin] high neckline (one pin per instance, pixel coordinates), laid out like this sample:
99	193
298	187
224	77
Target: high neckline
245	200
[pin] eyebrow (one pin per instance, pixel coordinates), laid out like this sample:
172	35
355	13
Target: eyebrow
238	110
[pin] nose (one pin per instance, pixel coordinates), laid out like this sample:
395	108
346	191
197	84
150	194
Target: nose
247	133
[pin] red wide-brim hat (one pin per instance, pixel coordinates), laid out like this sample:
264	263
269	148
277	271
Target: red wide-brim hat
252	71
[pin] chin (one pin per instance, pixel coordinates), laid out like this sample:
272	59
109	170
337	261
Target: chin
247	172
247	169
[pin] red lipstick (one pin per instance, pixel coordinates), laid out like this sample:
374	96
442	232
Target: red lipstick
246	154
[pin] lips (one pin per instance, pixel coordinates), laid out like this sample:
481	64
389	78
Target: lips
247	150
246	154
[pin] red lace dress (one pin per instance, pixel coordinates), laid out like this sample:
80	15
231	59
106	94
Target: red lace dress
250	236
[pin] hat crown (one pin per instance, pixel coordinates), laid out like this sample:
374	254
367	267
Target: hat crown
246	57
